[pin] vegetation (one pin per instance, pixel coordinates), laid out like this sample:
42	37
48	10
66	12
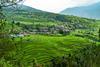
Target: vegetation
40	22
41	39
47	51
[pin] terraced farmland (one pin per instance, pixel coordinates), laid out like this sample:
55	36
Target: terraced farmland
40	49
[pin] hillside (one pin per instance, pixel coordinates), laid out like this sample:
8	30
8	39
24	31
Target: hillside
34	38
90	11
36	21
50	51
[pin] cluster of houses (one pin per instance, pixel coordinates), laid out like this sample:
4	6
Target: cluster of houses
51	30
44	30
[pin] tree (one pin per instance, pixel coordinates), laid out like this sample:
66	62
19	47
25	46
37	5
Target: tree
5	3
5	42
99	34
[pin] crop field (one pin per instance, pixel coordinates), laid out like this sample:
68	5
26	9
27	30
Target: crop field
41	39
41	49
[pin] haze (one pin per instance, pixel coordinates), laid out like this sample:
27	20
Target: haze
57	5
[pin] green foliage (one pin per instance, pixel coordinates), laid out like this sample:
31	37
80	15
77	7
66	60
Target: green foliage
84	57
99	33
80	48
39	50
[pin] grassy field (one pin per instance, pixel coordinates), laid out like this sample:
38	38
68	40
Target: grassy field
41	49
33	50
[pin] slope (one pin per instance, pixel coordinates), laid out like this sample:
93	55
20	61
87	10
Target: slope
30	20
90	11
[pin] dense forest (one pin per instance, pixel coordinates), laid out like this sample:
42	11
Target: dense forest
35	38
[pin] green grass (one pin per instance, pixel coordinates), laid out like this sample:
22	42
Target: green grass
43	48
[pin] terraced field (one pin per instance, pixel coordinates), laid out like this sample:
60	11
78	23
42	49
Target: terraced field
40	49
48	40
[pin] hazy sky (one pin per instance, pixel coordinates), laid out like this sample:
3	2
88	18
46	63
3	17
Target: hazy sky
57	5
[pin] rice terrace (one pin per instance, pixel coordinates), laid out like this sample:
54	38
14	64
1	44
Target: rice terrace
33	37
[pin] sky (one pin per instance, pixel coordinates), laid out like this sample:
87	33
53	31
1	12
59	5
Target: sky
57	5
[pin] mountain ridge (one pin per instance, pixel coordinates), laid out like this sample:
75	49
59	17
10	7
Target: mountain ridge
37	21
90	11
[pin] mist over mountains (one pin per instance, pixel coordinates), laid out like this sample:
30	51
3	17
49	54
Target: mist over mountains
90	11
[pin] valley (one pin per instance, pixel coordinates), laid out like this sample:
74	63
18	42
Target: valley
34	38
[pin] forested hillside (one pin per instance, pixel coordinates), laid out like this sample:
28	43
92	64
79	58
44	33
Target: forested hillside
36	21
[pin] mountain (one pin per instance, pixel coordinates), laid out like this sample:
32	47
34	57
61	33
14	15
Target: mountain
90	11
32	20
29	13
21	7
